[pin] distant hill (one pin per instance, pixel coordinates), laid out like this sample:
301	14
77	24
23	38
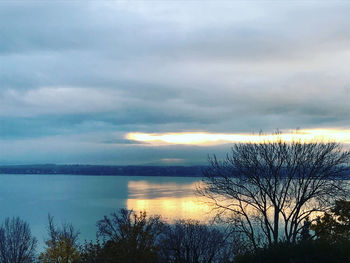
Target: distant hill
185	171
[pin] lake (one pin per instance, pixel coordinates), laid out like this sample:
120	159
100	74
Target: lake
83	200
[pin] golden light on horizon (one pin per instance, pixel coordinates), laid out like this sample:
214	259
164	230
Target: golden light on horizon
206	138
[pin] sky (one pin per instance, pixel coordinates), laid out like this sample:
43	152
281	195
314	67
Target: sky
100	82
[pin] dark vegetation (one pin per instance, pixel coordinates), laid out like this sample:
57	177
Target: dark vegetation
16	242
132	237
327	239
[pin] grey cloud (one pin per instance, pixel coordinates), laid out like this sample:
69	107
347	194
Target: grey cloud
40	26
123	141
98	68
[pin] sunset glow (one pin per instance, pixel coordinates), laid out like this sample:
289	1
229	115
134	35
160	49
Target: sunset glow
170	200
205	138
172	208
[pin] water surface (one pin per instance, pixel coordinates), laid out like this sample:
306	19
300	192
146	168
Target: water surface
83	200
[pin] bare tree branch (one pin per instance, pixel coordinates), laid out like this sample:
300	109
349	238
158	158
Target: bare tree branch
271	188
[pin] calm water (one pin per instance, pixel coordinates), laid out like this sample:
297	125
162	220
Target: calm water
83	200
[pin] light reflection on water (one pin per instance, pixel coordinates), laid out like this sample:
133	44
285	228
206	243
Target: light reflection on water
170	200
83	200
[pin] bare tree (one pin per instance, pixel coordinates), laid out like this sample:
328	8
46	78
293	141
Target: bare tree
16	242
66	231
62	244
268	189
188	241
131	237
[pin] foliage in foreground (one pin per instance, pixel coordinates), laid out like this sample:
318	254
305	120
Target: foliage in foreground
334	226
328	241
62	246
16	242
133	237
192	242
130	237
304	252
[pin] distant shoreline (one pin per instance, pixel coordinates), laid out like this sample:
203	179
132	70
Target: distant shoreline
104	170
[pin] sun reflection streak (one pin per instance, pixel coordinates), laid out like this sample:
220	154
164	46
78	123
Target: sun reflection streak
173	208
174	201
170	200
205	138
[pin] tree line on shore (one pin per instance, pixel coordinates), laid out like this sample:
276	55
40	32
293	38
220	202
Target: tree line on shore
131	170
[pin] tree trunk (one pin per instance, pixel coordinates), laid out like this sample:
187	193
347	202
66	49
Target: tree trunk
275	225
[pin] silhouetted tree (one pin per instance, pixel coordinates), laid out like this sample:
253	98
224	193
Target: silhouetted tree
268	189
131	237
304	252
305	231
95	253
188	241
334	226
16	242
62	246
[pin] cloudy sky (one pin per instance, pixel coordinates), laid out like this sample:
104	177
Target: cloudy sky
78	77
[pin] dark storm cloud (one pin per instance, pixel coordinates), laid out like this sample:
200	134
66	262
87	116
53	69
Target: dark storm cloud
93	71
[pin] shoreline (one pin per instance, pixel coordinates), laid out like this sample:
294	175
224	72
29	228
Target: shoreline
104	170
